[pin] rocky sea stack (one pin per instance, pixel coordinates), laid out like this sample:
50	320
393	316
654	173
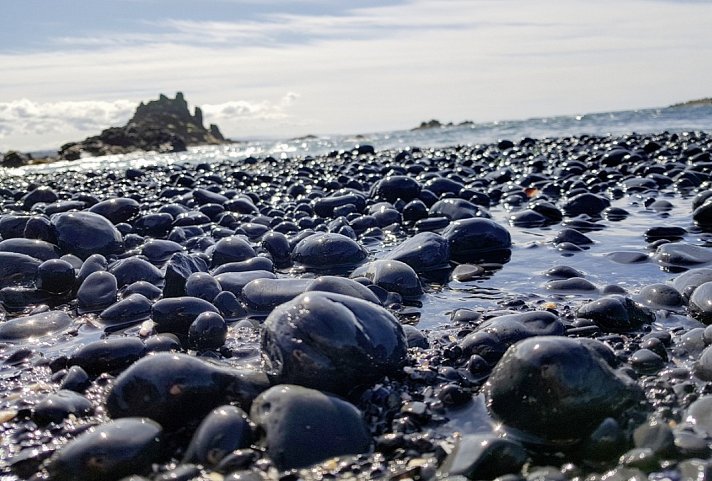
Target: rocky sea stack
163	125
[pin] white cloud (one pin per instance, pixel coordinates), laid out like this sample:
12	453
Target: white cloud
238	110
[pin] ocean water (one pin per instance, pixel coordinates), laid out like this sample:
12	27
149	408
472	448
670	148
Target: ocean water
672	119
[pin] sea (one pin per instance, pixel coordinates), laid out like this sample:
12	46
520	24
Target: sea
671	119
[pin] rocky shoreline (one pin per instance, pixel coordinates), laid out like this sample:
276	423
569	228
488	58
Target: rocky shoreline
274	318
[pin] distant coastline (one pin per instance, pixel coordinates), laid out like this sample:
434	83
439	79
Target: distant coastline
693	103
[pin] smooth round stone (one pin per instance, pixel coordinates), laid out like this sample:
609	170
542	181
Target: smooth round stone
158	251
660	296
483	456
473	240
59	406
108	452
40	194
34	326
76	379
165	342
130	310
40	228
628	257
664	232
31	247
93	263
175	315
396	187
329	252
331	342
325	206
224	430
17	269
701	303
528	218
258	263
571	284
467	272
133	269
616	313
699	414
571	236
97	292
572	385
646	361
304	426
117	210
424	252
177	270
586	203
174	389
263	295
236	281
342	285
702	215
681	254
393	276
13	226
456	209
494	336
207	331
703	366
86	233
688	281
108	355
55	276
154	224
278	247
146	289
202	285
415	337
231	249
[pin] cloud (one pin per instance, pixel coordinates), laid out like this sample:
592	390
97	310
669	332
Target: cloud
243	110
23	116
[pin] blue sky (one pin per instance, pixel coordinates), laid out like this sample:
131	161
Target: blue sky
275	68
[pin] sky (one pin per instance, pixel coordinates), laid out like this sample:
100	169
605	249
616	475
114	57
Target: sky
286	68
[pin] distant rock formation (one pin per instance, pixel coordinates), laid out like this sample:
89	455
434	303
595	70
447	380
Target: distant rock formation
13	158
436	124
163	125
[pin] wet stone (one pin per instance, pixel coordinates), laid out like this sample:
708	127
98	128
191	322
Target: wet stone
616	313
263	295
34	248
701	303
329	252
255	264
628	257
177	271
574	386
86	233
424	252
572	236
342	285
108	355
304	426
224	430
55	276
17	269
97	292
332	342
117	210
130	310
571	284
133	269
207	331
484	456
146	289
231	249
34	326
687	282
59	406
473	240
563	272
235	281
109	451
493	337
174	389
393	276
680	254
660	296
175	315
